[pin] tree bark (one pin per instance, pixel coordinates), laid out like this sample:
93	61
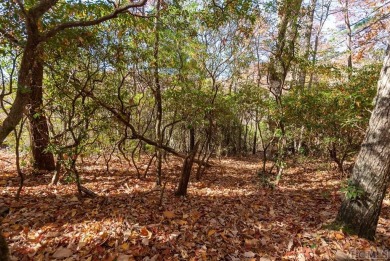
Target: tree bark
4	252
254	147
157	94
39	130
307	38
347	22
186	172
372	168
192	138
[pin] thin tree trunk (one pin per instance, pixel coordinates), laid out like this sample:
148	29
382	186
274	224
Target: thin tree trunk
254	148
157	95
57	172
192	138
307	39
323	17
18	135
246	137
372	168
349	36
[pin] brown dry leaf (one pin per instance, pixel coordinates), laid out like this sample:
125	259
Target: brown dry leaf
181	222
74	199
125	246
125	258
195	215
169	214
249	254
339	236
211	232
62	253
271	212
144	232
251	242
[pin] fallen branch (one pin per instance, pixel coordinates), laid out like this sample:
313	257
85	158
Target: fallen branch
88	192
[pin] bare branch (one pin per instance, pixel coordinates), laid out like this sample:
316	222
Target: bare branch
73	24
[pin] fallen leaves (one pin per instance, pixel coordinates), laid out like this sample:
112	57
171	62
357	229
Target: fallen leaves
219	220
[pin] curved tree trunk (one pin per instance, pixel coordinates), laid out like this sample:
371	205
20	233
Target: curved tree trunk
23	91
372	168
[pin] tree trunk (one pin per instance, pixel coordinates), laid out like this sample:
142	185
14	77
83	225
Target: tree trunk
349	36
307	38
39	129
372	168
192	138
157	95
254	147
27	66
29	93
323	17
57	173
186	172
4	252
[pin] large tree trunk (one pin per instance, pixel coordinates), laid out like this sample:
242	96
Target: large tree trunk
39	129
29	94
372	167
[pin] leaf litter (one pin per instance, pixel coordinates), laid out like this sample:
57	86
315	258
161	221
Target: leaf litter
227	215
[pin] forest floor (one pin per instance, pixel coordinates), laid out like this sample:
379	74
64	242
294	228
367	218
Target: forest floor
227	215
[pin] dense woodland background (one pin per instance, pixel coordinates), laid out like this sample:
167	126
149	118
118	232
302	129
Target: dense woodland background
239	93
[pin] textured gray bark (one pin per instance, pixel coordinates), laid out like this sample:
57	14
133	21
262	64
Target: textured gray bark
372	167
